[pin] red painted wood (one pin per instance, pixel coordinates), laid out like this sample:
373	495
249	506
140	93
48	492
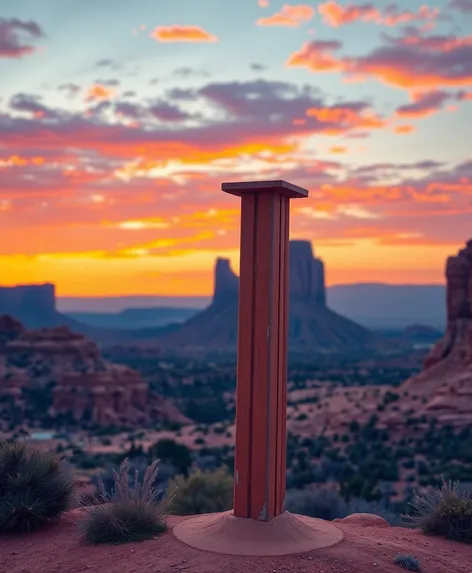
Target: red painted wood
261	395
245	360
261	384
282	378
274	359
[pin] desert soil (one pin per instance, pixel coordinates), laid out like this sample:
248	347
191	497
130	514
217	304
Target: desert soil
366	547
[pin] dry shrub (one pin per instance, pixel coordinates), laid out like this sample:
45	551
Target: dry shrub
201	492
35	487
130	513
407	562
446	511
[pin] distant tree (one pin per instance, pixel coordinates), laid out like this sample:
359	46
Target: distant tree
169	451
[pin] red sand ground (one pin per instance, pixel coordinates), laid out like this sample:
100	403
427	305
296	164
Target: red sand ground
365	548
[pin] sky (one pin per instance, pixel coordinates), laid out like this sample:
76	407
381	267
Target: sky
120	120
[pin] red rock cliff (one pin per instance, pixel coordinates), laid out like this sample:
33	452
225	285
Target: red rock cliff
83	383
446	379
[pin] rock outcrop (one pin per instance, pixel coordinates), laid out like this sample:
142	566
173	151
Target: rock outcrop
445	383
33	305
215	328
312	324
307	276
66	372
226	284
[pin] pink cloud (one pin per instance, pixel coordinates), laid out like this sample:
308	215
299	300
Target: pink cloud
336	15
318	56
424	104
289	15
410	61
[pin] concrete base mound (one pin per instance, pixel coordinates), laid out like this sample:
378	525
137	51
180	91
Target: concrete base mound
286	534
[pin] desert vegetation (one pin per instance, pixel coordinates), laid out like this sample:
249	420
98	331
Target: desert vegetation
35	487
445	511
133	511
407	562
201	492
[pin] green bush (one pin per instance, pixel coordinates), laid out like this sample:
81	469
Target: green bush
169	451
129	513
201	492
35	487
407	562
446	511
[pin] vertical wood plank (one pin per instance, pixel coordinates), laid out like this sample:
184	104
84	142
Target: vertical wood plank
274	358
283	351
260	388
242	461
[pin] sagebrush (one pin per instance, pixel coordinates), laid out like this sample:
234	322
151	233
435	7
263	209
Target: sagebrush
201	492
445	511
133	511
407	562
35	487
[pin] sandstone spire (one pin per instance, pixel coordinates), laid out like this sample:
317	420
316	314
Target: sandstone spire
226	283
307	280
311	323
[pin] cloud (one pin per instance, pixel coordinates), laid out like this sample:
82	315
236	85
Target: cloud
408	61
109	63
464	96
66	170
416	62
318	56
165	111
404	129
289	15
70	89
182	34
13	43
245	125
99	92
461	5
424	104
344	117
336	15
31	104
357	211
187	72
263	3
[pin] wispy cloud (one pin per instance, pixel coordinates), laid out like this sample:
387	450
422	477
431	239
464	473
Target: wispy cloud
182	34
335	14
290	15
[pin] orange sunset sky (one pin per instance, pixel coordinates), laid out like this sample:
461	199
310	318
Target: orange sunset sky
120	120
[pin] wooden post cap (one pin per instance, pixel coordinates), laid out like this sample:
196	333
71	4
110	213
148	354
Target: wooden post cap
241	188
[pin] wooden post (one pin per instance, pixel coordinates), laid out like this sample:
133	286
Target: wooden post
261	395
